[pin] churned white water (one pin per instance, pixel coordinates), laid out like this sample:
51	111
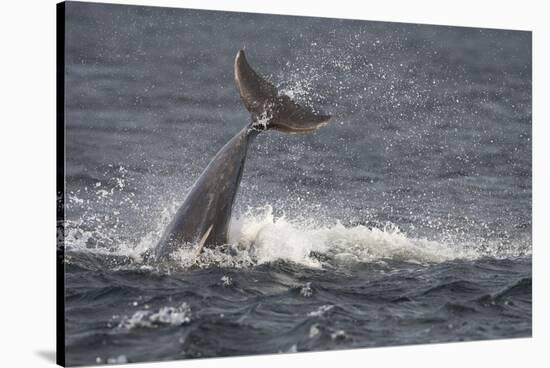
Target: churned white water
259	237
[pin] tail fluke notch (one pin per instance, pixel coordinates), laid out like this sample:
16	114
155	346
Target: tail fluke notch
270	110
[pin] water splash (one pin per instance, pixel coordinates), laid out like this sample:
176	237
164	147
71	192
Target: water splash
269	238
258	237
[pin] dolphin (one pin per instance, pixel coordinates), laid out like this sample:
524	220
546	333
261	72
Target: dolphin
203	218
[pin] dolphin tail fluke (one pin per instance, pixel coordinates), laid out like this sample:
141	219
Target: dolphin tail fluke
269	109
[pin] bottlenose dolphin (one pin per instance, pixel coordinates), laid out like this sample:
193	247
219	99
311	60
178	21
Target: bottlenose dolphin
203	218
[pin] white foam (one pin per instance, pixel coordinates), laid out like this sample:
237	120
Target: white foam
306	290
121	359
259	237
270	238
174	316
320	311
314	331
226	280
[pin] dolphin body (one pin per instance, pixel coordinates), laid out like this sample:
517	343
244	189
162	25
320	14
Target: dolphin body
203	218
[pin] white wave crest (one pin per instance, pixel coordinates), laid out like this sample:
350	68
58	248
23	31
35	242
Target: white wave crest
259	237
269	238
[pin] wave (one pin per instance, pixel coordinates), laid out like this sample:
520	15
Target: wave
453	287
520	290
270	238
260	237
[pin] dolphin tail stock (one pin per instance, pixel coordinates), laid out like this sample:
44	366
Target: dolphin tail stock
269	109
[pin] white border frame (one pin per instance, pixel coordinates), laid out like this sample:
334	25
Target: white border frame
28	180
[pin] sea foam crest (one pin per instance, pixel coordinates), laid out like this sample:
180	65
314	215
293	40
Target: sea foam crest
258	237
269	238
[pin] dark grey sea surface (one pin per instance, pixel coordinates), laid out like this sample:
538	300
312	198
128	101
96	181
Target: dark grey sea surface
406	220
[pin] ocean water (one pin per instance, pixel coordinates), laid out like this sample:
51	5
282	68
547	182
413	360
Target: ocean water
406	220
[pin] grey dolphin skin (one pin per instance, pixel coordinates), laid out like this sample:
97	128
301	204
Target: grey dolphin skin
203	218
